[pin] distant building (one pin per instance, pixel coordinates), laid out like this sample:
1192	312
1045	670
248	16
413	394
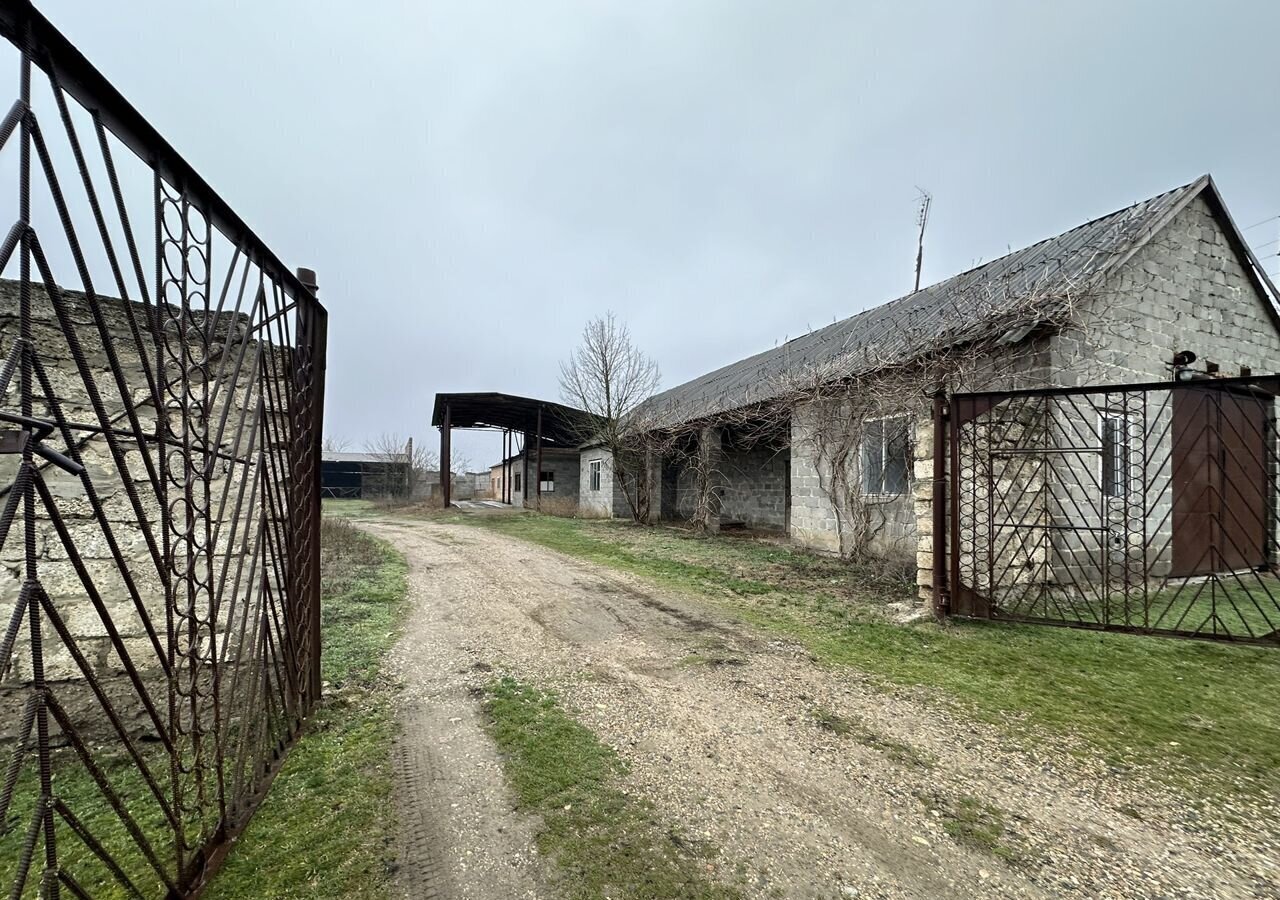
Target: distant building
364	475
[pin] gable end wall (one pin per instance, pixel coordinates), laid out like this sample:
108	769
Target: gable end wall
1185	290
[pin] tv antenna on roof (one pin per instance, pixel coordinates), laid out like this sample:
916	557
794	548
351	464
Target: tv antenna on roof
922	219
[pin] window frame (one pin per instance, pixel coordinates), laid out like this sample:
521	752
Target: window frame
1115	482
880	491
595	471
543	481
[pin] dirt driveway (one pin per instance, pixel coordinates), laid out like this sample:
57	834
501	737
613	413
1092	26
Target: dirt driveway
721	729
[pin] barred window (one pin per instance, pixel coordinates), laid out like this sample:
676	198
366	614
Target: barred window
1115	456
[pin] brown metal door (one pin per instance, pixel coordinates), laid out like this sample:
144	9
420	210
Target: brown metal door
1221	482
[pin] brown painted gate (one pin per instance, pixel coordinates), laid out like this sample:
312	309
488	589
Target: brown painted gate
161	391
1221	482
1145	507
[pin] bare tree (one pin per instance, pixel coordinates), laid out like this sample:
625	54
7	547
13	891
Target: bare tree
336	443
609	377
412	459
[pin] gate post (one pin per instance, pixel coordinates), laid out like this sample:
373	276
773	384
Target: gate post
316	319
941	590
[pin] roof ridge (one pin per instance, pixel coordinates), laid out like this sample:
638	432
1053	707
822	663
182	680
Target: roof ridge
994	260
1070	258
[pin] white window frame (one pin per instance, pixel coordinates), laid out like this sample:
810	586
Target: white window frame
881	493
595	473
547	485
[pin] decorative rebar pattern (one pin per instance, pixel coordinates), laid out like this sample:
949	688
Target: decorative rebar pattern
1147	508
161	395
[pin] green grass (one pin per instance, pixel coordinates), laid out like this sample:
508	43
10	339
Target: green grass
323	830
1203	716
604	842
349	509
1239	605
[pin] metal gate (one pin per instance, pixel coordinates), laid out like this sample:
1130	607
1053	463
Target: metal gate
1147	508
161	390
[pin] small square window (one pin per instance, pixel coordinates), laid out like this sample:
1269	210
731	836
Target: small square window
547	482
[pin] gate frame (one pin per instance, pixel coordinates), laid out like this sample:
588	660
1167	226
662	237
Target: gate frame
951	412
41	45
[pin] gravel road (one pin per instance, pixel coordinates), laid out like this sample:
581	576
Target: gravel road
717	723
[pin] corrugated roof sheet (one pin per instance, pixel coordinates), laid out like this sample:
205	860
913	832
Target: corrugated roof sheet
948	313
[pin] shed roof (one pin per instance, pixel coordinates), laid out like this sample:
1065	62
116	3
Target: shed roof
948	313
561	425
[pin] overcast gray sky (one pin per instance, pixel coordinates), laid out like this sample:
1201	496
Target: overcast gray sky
474	180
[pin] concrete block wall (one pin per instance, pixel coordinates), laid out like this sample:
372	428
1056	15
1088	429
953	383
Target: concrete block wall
751	483
814	521
609	502
564	465
1185	290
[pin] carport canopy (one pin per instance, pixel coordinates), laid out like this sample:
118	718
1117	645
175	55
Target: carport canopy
550	424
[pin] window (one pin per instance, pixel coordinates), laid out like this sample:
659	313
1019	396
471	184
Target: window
594	469
547	482
1115	456
886	455
517	484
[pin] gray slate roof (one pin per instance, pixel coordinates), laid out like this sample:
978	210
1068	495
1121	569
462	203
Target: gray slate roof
948	313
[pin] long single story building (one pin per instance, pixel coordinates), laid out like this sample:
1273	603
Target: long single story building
828	437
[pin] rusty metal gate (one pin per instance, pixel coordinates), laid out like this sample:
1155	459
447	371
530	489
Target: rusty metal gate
1147	508
161	391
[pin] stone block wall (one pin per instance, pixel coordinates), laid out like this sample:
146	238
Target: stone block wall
814	520
137	529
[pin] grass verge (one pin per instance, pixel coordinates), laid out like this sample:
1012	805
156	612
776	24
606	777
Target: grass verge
322	832
604	842
324	829
1202	715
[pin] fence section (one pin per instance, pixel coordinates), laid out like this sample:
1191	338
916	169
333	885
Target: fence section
161	393
1147	508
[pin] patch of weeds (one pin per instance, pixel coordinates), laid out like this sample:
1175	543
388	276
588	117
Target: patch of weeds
603	841
977	825
711	659
831	721
891	748
1102	842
